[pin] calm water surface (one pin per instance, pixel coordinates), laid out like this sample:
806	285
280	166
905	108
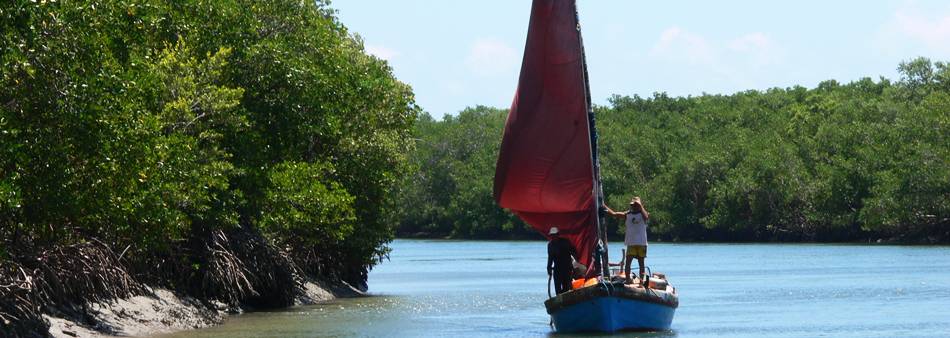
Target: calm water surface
480	289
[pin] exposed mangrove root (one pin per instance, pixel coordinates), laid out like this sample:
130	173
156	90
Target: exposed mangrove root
83	273
226	277
245	268
20	308
224	269
56	279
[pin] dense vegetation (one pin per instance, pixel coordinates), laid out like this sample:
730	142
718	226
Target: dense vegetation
840	162
226	148
153	128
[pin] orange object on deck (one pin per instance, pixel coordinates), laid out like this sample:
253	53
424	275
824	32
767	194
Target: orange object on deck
578	283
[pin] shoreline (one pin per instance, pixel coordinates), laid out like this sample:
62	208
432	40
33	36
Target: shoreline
869	242
87	290
162	311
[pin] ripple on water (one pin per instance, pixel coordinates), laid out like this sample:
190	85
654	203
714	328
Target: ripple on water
496	289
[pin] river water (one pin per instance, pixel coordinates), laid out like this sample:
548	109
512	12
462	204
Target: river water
489	289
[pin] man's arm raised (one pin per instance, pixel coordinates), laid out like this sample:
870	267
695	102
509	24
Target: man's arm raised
614	213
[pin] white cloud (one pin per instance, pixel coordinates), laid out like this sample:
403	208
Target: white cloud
491	57
933	31
738	60
683	45
679	45
758	47
382	52
750	42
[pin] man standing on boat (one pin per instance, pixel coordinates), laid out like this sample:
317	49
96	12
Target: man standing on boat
635	237
560	261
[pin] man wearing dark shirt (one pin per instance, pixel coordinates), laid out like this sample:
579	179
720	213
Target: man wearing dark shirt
560	262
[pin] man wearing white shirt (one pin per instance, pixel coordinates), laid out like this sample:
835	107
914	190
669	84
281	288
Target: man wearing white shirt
635	237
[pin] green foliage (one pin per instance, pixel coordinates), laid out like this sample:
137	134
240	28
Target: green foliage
145	123
305	205
856	161
450	191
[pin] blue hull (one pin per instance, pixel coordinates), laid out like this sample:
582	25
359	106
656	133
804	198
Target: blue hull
611	314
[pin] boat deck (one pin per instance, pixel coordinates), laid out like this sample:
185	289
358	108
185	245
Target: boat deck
663	295
614	306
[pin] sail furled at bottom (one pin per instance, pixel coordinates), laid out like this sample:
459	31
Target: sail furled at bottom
544	172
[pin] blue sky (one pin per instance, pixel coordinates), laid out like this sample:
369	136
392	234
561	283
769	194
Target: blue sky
463	53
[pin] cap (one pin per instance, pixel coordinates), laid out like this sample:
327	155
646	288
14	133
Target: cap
553	231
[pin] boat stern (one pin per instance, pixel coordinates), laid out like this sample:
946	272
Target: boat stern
612	314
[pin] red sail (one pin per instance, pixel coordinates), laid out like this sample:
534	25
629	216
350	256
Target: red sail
544	172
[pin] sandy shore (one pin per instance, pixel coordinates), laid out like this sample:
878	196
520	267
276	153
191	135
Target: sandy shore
162	311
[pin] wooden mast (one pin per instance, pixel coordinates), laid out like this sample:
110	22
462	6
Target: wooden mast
595	160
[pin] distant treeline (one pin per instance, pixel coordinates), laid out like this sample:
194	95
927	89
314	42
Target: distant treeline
169	131
841	162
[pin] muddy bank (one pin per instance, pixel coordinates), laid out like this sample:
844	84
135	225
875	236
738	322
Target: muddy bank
90	289
163	311
156	312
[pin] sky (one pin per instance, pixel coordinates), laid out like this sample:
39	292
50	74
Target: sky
456	54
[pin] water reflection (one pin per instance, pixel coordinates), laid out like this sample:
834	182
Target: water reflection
478	289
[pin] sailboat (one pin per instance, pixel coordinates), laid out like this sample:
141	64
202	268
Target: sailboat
548	174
